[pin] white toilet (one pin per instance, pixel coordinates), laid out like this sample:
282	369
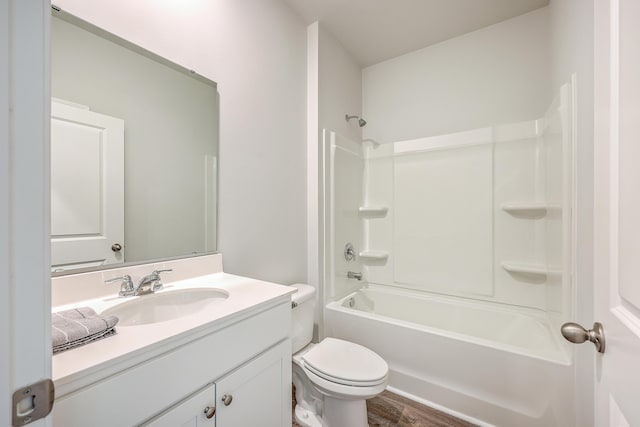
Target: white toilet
333	378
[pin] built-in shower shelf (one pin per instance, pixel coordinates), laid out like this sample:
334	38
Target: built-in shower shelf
528	269
373	211
537	209
373	256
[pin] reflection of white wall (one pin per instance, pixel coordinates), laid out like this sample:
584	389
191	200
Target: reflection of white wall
255	51
498	74
170	126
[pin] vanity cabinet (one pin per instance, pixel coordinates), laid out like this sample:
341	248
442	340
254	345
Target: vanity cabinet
248	396
194	411
246	359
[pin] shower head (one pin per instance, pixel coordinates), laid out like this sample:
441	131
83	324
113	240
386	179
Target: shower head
361	122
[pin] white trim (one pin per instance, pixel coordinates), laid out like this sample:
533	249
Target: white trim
628	318
441	142
70	103
614	152
314	175
488	135
5	305
24	197
570	309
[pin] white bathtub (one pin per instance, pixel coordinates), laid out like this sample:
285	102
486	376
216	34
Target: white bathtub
488	364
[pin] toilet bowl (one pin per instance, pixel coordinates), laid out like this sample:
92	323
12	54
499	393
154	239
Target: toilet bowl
333	378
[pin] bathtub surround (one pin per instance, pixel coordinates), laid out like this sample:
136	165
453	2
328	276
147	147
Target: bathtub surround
482	214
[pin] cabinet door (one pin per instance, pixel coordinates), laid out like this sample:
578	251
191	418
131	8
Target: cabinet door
191	412
259	392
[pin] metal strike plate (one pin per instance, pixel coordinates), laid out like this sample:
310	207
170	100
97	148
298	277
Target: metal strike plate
33	402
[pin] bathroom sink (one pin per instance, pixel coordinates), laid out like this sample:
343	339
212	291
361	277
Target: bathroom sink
165	306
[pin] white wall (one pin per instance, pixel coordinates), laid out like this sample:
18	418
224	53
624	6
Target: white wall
571	26
495	75
255	51
334	81
340	87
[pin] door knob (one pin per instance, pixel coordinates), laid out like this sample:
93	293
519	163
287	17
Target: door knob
116	247
575	333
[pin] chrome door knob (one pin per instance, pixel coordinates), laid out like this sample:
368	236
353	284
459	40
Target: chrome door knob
116	247
226	399
210	411
575	333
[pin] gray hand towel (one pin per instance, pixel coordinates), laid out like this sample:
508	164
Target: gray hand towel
79	326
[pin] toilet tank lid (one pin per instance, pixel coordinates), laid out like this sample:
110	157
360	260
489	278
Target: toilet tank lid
304	293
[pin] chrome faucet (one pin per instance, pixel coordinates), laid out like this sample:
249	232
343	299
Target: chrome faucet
353	275
148	284
126	286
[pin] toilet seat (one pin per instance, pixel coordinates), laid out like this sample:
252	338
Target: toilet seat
346	363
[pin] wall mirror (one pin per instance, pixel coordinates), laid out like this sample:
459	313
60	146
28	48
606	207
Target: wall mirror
134	153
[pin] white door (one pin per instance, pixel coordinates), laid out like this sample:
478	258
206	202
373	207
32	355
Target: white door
617	210
25	302
87	188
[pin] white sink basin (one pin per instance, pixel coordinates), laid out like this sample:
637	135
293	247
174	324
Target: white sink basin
164	306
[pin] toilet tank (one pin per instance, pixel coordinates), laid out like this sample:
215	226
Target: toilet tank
303	308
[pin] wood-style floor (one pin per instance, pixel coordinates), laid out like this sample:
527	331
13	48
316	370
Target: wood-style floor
390	410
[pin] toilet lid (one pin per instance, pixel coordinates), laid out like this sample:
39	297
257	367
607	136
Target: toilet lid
346	362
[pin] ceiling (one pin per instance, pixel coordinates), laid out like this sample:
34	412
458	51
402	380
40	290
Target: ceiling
377	30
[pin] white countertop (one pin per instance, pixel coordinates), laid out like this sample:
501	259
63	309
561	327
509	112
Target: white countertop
135	344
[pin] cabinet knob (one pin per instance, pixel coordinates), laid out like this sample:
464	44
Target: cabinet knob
210	411
226	399
116	247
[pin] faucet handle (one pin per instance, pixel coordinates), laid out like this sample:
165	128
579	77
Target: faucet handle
126	287
157	285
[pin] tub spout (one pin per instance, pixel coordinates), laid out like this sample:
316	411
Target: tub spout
353	275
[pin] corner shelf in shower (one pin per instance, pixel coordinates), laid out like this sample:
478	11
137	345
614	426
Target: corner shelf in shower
528	269
373	256
532	209
373	211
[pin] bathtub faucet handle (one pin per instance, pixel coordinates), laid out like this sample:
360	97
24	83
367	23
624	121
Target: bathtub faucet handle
353	275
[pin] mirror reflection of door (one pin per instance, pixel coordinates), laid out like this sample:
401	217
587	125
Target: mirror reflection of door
87	187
